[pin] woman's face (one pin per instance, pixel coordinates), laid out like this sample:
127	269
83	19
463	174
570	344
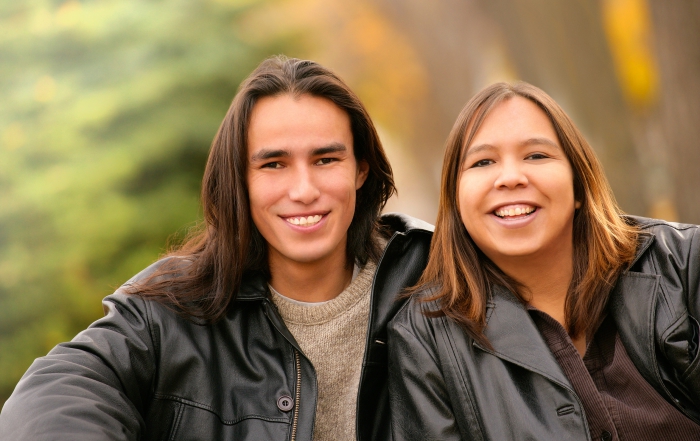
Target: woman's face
515	189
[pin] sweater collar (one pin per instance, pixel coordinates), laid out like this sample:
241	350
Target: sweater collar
254	284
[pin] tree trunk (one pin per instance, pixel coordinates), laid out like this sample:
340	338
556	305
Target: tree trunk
677	41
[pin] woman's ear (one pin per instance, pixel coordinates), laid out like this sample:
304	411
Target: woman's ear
577	205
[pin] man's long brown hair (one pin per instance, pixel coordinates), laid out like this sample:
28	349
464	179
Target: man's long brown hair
461	276
203	279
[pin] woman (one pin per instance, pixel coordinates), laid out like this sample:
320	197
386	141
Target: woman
544	314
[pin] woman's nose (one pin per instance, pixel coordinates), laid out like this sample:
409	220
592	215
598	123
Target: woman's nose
511	175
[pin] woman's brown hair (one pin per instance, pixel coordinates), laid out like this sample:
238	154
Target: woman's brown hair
461	276
202	282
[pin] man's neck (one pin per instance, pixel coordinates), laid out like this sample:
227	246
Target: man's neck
311	282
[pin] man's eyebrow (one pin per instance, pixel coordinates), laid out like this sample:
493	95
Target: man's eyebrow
265	154
330	148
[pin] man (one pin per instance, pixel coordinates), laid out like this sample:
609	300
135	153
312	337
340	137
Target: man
271	323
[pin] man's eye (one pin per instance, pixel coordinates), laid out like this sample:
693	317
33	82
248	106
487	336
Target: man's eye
271	165
324	161
482	163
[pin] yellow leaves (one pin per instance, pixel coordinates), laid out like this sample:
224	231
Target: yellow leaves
68	14
13	137
45	89
629	33
355	40
238	3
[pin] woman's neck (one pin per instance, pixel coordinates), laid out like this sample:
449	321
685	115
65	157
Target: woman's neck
546	278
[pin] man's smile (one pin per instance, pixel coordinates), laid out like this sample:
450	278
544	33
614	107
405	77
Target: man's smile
304	221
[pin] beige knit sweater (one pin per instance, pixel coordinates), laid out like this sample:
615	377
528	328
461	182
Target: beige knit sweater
333	336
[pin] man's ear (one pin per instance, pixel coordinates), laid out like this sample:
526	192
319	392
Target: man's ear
362	173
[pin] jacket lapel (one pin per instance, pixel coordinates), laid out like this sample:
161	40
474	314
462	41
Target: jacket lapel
637	292
515	337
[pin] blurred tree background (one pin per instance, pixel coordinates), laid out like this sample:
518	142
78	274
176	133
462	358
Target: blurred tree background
108	108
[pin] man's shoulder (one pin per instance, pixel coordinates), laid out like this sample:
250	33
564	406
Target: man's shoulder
403	223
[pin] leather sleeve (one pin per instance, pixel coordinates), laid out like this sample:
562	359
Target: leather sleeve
692	376
420	405
693	286
93	387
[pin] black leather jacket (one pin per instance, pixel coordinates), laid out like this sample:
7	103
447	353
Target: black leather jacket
143	373
445	386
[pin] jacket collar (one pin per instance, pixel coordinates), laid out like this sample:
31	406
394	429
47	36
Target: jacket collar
645	238
254	285
632	304
515	337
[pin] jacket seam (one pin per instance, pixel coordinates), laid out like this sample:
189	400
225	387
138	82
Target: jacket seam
206	407
176	423
445	335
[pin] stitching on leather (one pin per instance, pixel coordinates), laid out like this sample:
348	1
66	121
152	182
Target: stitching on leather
176	423
446	337
210	409
566	410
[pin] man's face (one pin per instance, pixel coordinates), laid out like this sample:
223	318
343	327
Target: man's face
302	178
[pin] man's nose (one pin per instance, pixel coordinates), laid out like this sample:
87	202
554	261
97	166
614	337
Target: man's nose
303	187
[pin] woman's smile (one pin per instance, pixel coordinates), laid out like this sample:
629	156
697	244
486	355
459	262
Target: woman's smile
516	173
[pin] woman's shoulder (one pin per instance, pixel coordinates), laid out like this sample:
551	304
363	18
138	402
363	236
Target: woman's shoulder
420	308
663	228
666	243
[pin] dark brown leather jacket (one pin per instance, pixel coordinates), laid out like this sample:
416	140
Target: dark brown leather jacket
143	373
445	386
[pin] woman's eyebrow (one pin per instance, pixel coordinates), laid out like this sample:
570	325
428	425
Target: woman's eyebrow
539	141
479	148
530	141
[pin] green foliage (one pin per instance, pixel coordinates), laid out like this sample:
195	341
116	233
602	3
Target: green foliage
108	109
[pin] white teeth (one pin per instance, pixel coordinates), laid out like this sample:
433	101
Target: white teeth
514	211
304	221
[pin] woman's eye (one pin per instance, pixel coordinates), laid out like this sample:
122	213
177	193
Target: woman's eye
482	163
537	156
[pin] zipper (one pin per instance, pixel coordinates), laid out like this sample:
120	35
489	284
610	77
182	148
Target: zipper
297	395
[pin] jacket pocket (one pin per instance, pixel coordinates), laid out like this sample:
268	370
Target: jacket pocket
175	419
691	376
163	420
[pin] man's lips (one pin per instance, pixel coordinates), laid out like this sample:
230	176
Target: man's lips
304	221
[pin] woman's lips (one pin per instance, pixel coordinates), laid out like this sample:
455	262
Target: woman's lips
514	211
